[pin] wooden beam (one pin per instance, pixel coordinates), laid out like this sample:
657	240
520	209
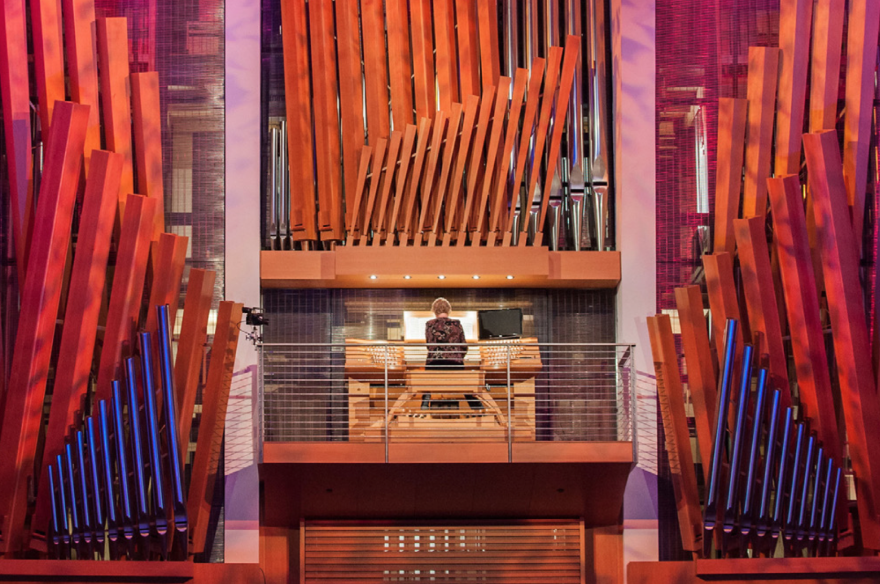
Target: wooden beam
828	17
501	183
48	57
126	296
425	215
82	66
478	156
409	139
732	115
861	60
190	347
722	300
167	261
678	442
802	304
324	97
363	168
840	262
492	156
41	293
298	101
415	180
16	104
213	421
148	142
351	101
380	214
763	74
701	369
795	18
375	173
422	33
116	99
468	48
453	207
400	69
375	72
490	60
760	294
449	149
80	329
446	57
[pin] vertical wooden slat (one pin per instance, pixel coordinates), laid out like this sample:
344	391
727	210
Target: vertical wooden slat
700	367
375	174
363	167
425	215
732	115
446	54
492	155
298	101
802	304
16	125
471	110
351	90
840	261
760	294
478	155
41	293
210	440
498	199
148	142
763	68
375	72
468	48
490	60
678	442
415	180
327	148
828	17
400	69
82	66
190	347
422	33
409	139
115	98
78	337
381	211
167	259
861	61
449	149
795	18
722	299
48	57
128	289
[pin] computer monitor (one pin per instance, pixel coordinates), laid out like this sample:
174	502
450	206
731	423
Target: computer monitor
496	324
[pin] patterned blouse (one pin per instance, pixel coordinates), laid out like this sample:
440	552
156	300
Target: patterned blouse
445	330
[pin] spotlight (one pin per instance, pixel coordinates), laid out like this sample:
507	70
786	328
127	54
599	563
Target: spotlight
374	277
475	277
255	316
441	277
407	277
510	277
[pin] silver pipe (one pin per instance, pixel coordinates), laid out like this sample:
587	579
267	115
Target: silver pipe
577	203
555	217
273	191
600	211
515	227
576	110
511	38
551	24
284	190
597	94
533	227
531	33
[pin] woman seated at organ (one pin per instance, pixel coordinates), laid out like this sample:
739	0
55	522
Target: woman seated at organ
446	346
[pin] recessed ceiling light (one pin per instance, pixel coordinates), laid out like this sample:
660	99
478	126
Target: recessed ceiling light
441	277
407	277
510	277
374	277
475	277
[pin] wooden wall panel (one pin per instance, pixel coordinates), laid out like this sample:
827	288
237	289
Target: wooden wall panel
115	98
701	370
48	57
400	69
324	97
132	257
297	92
468	47
722	300
16	105
80	329
802	304
678	442
375	72
351	90
41	293
760	295
148	142
763	72
190	347
732	116
499	197
422	33
828	16
490	59
795	19
82	66
167	261
840	261
446	54
212	424
861	61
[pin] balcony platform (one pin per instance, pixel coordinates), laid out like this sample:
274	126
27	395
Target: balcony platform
352	266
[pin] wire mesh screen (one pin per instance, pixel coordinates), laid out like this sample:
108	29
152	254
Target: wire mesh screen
506	391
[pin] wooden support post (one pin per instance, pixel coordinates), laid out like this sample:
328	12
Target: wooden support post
380	214
861	61
492	156
828	17
48	57
15	99
116	99
802	303
78	337
446	54
363	168
474	166
375	71
415	180
422	33
298	100
148	142
722	301
82	66
840	261
760	294
501	184
41	292
468	48
490	59
425	216
732	115
210	441
409	139
167	261
701	369
399	63
127	294
795	18
191	347
678	443
375	174
607	552
449	149
763	73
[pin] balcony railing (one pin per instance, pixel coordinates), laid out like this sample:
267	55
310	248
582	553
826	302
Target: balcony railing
506	391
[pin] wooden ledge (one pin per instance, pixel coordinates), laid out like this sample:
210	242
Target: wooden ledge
843	570
62	571
351	267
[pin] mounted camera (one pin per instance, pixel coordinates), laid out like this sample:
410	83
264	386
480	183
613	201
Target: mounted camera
255	316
